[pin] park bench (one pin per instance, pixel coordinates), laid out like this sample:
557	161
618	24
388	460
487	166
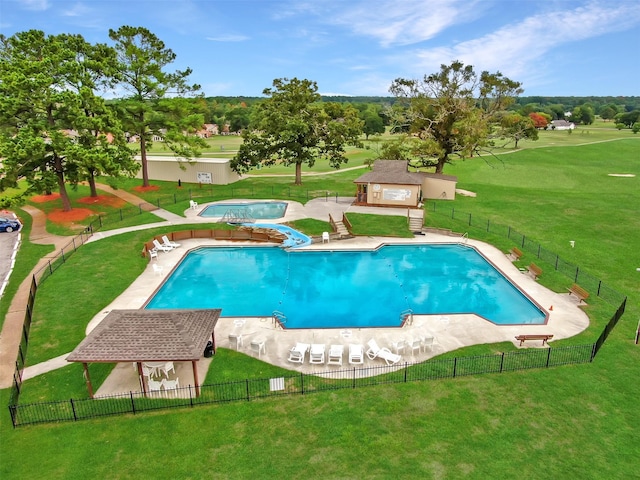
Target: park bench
545	338
515	253
579	292
534	270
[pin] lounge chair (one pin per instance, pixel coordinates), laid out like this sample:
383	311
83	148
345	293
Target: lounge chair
316	354
335	355
297	353
169	243
387	355
356	354
160	247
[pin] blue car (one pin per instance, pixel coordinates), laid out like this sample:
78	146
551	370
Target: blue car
8	225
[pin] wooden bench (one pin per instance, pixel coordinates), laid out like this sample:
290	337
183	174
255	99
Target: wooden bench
534	270
579	292
544	338
515	253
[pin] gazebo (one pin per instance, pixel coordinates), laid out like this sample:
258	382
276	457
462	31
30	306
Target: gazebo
139	336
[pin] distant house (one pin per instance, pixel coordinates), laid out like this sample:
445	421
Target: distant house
207	130
561	125
391	184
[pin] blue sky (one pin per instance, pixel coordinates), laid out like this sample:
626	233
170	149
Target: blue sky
358	47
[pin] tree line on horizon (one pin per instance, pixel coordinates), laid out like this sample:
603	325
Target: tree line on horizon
56	127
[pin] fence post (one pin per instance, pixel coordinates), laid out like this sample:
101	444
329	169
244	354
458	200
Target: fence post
455	364
353	383
120	210
502	362
488	225
133	404
247	385
600	285
406	367
577	273
453	213
548	355
469	219
190	396
302	382
73	409
175	199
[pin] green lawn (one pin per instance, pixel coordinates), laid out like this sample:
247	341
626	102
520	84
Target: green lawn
568	422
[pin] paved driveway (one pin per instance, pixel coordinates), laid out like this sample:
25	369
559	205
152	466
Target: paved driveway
7	245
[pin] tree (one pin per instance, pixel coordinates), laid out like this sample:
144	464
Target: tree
373	123
583	114
452	111
143	59
293	127
54	126
540	120
516	127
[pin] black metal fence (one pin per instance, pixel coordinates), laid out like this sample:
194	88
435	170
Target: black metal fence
587	281
77	409
298	384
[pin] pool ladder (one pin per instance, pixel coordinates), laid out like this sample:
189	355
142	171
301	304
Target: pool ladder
279	319
406	317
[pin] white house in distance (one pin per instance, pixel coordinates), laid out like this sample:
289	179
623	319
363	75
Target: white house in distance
215	171
561	125
390	184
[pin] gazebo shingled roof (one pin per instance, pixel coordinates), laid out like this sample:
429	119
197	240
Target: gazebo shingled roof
148	335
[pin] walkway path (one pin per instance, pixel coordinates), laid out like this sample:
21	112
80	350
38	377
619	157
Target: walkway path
11	334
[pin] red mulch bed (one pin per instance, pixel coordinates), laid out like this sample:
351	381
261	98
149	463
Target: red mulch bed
45	198
74	215
150	188
103	200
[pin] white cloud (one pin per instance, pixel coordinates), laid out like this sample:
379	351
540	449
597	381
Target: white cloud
78	10
515	49
228	38
35	5
407	22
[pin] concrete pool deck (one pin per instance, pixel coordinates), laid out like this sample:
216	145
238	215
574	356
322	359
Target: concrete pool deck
450	331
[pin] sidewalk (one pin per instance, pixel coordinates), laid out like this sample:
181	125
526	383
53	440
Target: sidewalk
11	334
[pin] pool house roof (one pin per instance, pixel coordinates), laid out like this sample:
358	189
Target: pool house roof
148	335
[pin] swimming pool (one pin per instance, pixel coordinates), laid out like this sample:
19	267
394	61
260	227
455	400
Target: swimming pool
256	210
345	289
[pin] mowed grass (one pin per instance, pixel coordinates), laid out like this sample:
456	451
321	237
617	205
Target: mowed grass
568	422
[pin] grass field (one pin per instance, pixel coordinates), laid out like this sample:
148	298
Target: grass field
569	422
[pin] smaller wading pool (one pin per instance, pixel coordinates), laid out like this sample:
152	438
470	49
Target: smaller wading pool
257	210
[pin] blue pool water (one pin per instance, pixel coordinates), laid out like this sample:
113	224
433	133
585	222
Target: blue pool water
258	210
345	289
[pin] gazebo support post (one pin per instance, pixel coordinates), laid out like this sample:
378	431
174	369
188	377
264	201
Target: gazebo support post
194	365
87	379
145	388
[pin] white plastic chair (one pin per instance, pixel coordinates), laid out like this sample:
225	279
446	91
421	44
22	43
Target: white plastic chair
159	247
153	253
297	353
235	340
356	354
335	355
258	346
154	385
166	368
416	344
427	342
400	345
316	354
170	384
193	205
169	243
325	237
157	269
